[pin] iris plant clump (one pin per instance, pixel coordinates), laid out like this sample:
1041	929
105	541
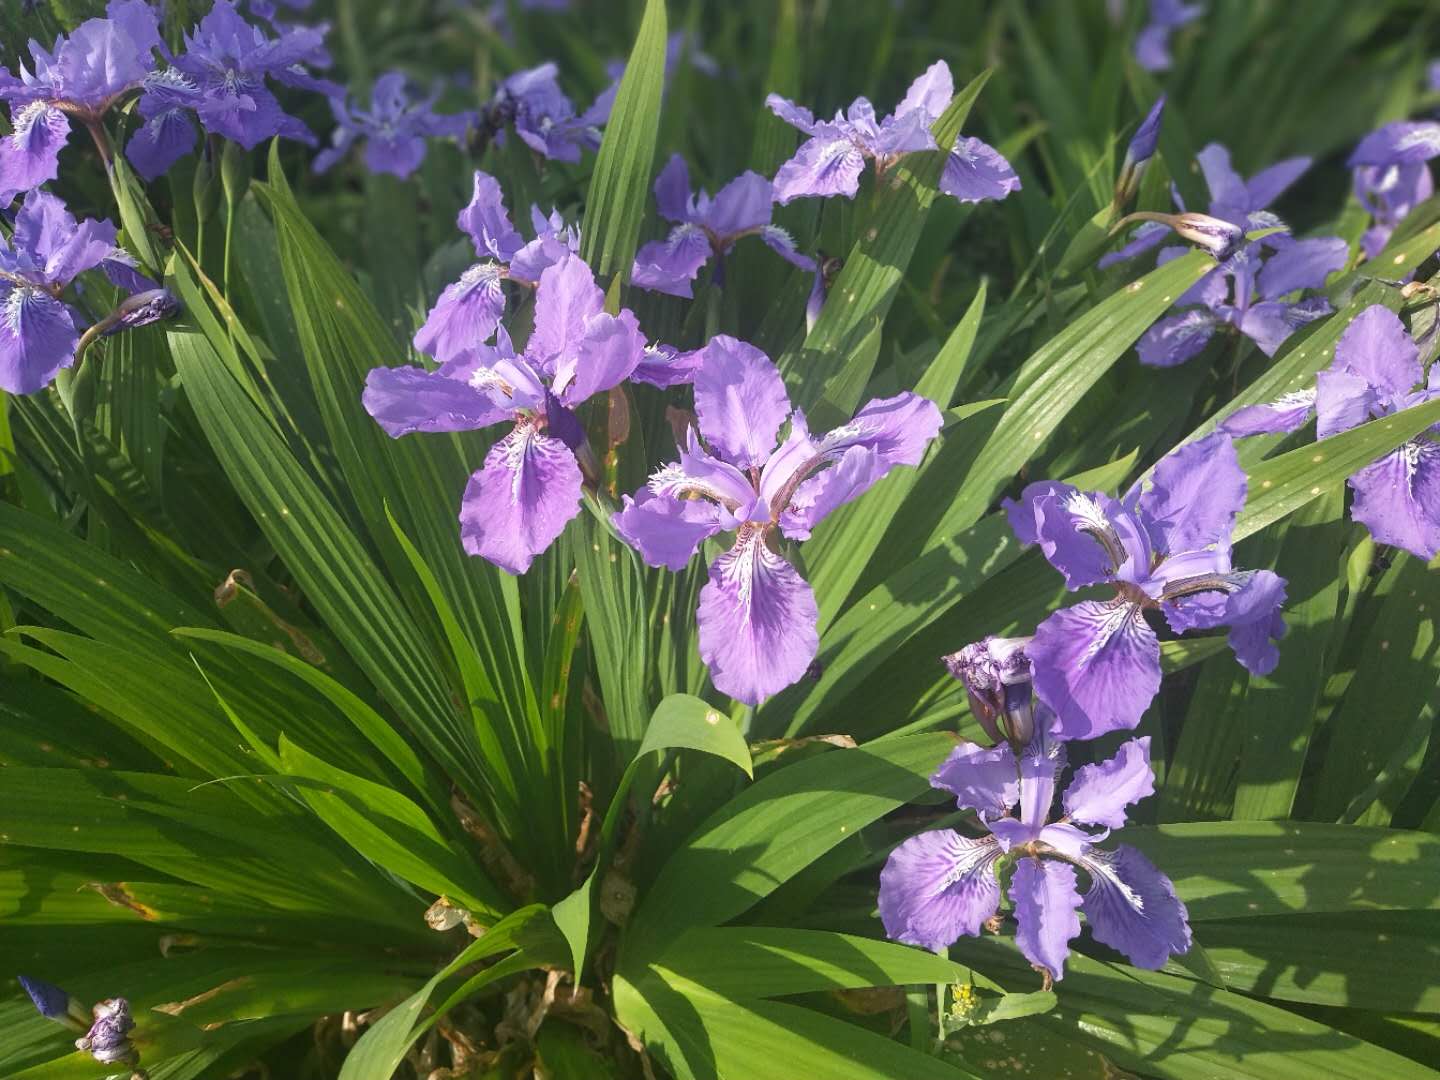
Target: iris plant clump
802	568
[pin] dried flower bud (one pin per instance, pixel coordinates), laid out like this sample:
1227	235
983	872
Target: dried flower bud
443	915
108	1039
144	308
996	674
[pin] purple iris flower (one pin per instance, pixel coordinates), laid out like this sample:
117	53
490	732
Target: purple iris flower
1376	372
1243	203
544	117
757	615
1250	293
1249	290
81	77
707	228
943	884
1391	176
529	488
1167	549
394	130
46	251
222	79
1152	44
831	160
469	309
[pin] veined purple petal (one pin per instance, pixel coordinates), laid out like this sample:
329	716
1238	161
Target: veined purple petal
609	349
903	133
664	366
1132	907
1343	400
783	244
697	473
930	93
1149	235
1083	534
826	164
30	154
1269	184
1098	794
1398	498
1177	338
397	156
1253	614
160	141
407	399
1227	187
486	221
1271	323
740	206
937	887
1287	413
1376	347
1399	143
1041	763
757	620
983	779
976	171
564	302
1195	493
1302	265
672	191
740	401
1046	900
795	115
466	314
885	433
670	265
666	531
1097	665
37	338
520	502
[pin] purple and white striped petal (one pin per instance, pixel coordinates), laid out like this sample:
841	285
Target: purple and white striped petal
1398	498
520	502
757	620
1097	665
1132	907
975	171
30	154
466	314
37	338
826	164
1287	413
937	887
1177	338
408	399
670	265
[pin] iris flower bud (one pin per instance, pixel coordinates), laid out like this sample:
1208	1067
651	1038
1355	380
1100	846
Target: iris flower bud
55	1004
996	674
1215	235
1138	154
